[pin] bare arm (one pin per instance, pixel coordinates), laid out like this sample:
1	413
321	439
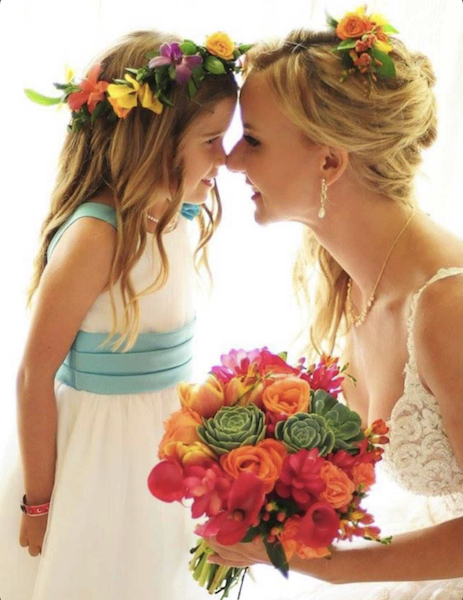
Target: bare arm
77	273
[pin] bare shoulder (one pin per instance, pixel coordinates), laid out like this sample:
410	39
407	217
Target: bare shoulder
438	336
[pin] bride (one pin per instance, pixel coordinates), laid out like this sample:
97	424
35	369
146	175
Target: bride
341	160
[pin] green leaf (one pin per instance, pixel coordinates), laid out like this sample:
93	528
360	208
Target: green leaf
164	99
389	29
121	81
347	44
387	69
251	534
192	87
152	54
40	99
277	556
133	71
172	73
214	65
188	48
245	47
331	21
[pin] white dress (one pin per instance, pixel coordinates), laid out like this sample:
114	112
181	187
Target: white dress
107	537
419	484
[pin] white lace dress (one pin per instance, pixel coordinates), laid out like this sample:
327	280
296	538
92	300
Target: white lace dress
419	484
107	537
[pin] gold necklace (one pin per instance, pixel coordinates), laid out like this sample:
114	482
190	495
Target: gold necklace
359	319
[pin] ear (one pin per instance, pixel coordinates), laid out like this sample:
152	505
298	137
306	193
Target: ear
333	164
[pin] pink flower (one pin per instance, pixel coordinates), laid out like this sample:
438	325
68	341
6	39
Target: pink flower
325	376
300	477
209	485
92	91
235	363
319	526
245	501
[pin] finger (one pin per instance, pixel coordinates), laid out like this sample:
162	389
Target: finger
215	559
23	541
34	550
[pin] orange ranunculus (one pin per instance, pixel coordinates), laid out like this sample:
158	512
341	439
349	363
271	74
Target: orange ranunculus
353	25
364	473
339	488
189	454
289	396
180	427
205	399
220	44
243	391
264	460
291	546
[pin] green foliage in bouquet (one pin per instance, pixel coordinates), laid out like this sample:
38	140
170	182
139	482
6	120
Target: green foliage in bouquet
345	424
233	427
305	431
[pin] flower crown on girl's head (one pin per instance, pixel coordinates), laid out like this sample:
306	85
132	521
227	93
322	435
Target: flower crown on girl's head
181	63
365	44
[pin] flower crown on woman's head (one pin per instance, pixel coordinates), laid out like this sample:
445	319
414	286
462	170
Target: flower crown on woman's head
181	63
365	44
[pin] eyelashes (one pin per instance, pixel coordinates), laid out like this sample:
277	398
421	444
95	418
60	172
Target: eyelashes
251	141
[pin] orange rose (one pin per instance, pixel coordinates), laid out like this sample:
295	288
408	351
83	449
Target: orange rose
205	399
339	488
364	473
353	26
180	427
289	396
264	460
291	546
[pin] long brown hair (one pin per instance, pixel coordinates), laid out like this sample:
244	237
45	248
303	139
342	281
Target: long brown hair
384	134
137	156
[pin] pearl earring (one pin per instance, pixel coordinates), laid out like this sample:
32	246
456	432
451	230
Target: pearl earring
323	199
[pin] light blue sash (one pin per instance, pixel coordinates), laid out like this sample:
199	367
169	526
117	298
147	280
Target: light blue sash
157	360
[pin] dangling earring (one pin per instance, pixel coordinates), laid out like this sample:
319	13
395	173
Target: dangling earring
323	199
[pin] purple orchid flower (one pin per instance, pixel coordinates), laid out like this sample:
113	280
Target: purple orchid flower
171	54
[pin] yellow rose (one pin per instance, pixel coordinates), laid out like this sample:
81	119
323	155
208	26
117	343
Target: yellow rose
189	454
180	427
220	44
205	399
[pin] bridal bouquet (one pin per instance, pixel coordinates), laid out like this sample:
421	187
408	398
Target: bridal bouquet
262	448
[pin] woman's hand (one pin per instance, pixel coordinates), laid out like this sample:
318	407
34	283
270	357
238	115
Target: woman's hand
239	555
32	533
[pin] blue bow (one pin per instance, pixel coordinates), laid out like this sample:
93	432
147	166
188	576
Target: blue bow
190	211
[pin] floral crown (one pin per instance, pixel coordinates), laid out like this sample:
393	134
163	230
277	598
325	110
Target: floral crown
176	63
365	44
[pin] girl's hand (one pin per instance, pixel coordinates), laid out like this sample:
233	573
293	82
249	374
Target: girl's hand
32	533
239	555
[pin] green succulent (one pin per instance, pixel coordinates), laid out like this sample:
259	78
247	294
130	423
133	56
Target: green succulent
305	430
233	427
345	424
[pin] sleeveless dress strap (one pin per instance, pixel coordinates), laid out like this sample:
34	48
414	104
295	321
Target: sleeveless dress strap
103	212
441	274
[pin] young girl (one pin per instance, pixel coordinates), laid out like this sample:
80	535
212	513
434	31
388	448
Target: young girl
328	145
112	325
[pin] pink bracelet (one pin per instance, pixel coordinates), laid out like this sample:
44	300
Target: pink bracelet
34	511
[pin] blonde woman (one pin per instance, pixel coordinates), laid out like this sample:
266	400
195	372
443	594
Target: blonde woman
321	151
111	330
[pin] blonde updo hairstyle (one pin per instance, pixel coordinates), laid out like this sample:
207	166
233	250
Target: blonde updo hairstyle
384	133
137	156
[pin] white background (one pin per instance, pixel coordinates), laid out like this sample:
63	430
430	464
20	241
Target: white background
252	302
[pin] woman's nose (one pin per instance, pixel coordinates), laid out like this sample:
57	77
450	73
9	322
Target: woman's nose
234	160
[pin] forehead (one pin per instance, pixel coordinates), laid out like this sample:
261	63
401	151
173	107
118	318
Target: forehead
216	117
259	108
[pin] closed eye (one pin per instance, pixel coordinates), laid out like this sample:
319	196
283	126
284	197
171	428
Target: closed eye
251	141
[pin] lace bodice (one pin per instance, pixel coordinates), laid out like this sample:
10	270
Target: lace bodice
419	455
